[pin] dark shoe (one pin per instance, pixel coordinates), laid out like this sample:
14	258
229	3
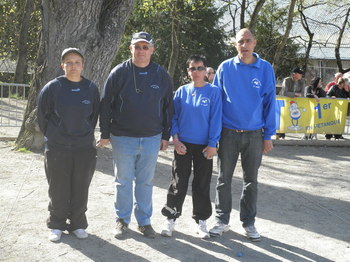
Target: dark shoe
147	231
120	228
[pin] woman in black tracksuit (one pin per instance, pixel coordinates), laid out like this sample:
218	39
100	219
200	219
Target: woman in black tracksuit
68	108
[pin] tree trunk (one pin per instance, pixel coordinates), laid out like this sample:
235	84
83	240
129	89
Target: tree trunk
306	27
174	48
337	47
21	66
94	26
255	14
243	10
279	50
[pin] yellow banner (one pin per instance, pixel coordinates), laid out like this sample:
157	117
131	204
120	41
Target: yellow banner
306	115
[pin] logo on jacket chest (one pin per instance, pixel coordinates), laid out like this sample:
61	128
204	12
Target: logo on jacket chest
256	83
205	101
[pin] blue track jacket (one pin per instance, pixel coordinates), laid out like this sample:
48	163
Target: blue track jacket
248	94
197	114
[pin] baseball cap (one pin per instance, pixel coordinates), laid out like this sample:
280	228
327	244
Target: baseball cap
141	37
70	50
298	70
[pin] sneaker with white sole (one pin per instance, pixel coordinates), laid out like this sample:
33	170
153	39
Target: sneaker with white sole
218	229
169	228
252	233
80	233
202	229
55	235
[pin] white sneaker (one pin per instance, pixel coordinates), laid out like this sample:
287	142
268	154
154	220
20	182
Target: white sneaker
251	233
80	233
169	228
202	229
218	229
55	235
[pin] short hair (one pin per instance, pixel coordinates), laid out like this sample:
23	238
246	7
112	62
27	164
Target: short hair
338	74
196	59
234	39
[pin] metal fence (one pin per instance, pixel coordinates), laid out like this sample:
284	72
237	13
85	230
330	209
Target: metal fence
13	100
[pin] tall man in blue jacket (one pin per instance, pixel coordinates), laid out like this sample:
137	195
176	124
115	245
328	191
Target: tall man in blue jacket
248	90
136	112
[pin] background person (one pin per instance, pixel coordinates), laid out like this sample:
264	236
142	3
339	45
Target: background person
334	82
210	74
292	86
196	128
136	112
338	91
248	87
314	90
67	115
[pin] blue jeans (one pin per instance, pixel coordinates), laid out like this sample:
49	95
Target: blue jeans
134	159
250	146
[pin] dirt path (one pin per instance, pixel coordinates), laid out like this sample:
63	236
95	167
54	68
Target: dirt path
303	213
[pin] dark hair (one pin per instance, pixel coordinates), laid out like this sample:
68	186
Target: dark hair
315	81
196	59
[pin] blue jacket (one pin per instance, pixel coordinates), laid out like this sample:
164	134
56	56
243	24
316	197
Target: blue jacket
136	102
67	113
197	114
249	95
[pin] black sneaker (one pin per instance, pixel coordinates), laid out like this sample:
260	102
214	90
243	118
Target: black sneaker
120	228
147	231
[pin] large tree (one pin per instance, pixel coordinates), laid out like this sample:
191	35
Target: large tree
179	28
270	24
94	26
21	67
19	33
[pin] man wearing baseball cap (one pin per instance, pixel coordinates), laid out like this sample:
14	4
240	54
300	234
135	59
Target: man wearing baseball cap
136	112
292	86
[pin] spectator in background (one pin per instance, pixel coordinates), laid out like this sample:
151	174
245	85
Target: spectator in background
210	74
338	91
293	86
334	82
347	76
314	90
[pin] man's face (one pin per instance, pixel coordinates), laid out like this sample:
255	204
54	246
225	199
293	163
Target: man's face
245	44
210	74
72	65
141	52
297	76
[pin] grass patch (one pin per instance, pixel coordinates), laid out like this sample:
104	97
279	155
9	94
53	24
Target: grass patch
23	150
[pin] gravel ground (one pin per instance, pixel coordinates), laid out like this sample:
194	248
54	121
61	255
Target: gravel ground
303	213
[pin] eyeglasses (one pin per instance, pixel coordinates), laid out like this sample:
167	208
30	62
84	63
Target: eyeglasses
139	47
199	68
211	73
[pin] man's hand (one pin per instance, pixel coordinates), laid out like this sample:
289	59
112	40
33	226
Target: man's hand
102	142
211	151
268	146
164	145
